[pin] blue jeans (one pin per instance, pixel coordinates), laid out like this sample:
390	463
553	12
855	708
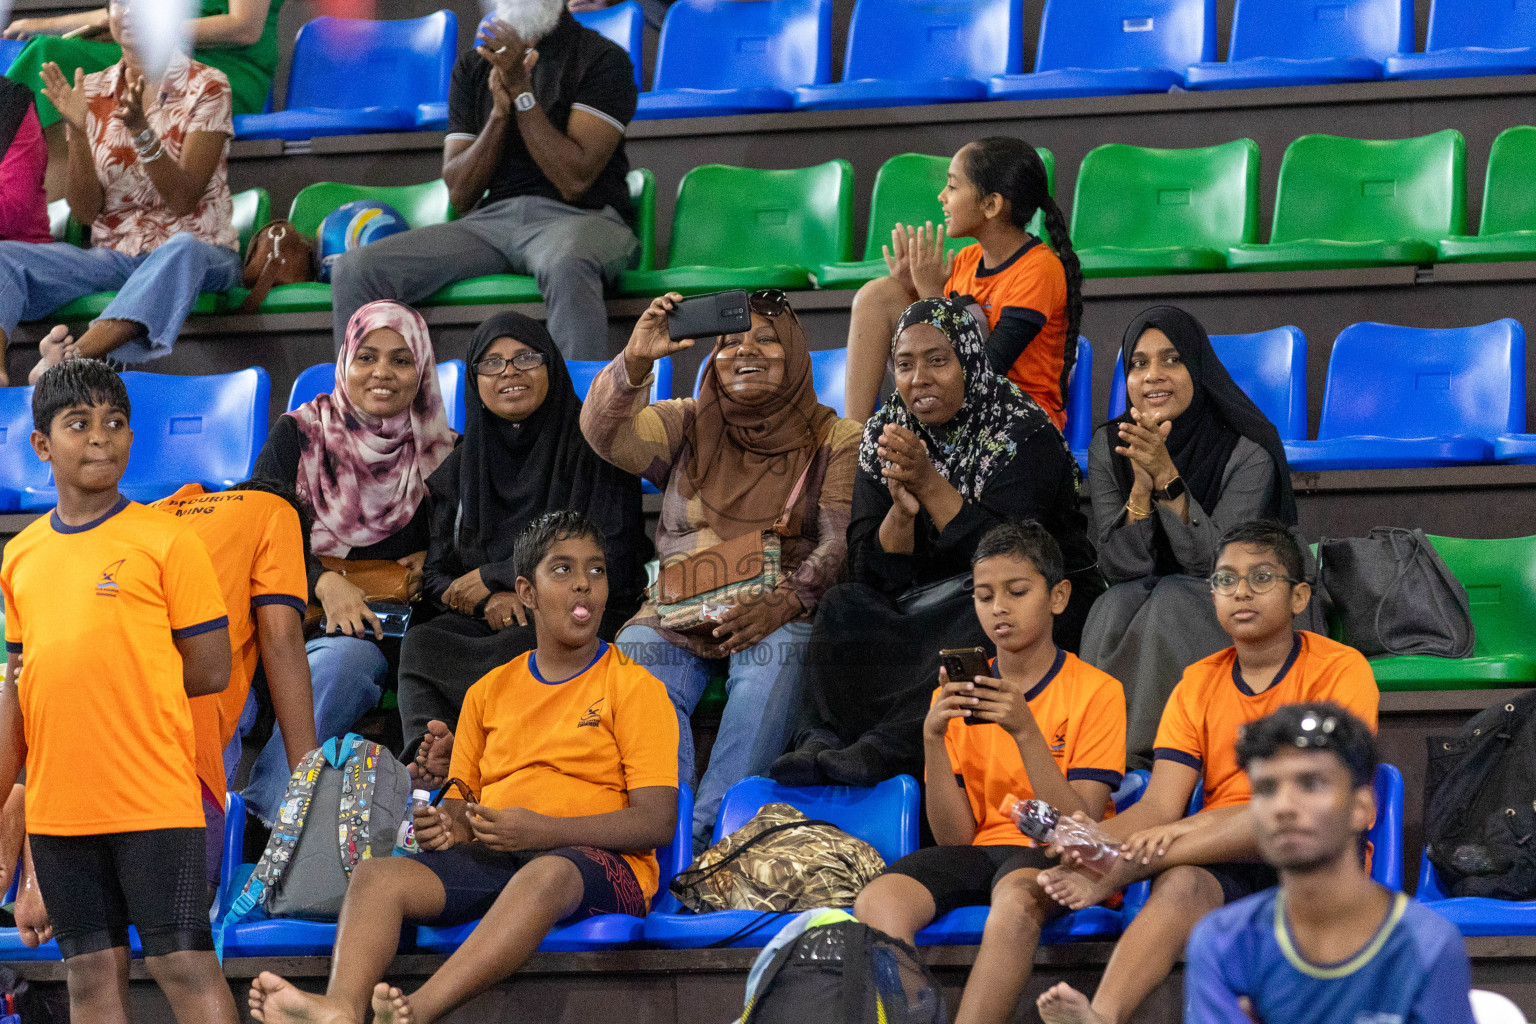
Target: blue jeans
155	289
762	688
346	674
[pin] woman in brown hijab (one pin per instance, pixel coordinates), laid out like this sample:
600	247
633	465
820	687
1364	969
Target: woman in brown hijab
754	452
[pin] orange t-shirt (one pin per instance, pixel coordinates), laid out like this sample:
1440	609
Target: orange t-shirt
1031	285
1212	703
95	611
257	547
1080	711
568	748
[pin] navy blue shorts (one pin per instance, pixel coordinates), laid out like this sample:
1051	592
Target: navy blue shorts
473	876
1240	879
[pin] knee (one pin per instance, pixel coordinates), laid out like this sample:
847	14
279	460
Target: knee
182	247
556	266
1187	886
92	976
1018	900
377	877
876	902
187	969
552	882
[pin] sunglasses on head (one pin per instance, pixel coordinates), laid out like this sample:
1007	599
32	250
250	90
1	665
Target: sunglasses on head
769	302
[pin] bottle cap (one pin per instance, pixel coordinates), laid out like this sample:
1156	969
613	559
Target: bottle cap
421	794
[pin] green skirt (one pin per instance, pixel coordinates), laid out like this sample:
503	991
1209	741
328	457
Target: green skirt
249	82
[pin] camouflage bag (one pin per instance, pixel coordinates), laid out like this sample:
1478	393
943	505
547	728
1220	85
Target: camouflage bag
780	861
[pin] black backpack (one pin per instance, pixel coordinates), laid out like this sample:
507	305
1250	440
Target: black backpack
1479	815
829	968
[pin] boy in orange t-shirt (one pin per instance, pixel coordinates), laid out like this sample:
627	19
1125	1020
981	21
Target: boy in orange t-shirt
117	612
1046	726
569	756
1209	859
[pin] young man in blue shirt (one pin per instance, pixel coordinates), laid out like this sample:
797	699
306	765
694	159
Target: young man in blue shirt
1328	944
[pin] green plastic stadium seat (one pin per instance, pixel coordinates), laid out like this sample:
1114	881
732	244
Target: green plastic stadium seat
503	288
739	227
1500	579
1508	227
252	210
420	205
1164	211
89	307
906	191
1362	203
62	226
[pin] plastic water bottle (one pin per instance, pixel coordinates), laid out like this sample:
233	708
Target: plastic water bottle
405	836
1046	825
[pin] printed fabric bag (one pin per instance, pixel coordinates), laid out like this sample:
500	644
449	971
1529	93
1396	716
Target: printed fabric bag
343	805
1396	595
780	861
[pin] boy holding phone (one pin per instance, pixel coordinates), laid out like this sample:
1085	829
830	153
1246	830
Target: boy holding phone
1039	724
1209	859
572	749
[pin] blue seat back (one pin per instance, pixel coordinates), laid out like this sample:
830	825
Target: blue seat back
20	468
584	371
1305	29
623	23
937	39
10	49
350	63
1455	23
1417	382
1386	835
320	379
1080	398
1271	368
829	376
204	430
1112	34
743	44
884	816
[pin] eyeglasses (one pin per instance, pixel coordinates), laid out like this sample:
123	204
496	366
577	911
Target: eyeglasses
769	302
1260	581
492	366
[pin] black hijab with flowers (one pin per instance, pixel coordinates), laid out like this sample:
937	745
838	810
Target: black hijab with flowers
995	417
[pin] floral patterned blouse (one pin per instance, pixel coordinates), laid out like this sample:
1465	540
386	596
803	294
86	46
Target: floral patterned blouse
134	219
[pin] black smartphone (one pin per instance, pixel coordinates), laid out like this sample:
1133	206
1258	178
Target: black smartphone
394	619
709	316
966	663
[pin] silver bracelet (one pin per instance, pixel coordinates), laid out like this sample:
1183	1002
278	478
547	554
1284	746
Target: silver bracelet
148	145
155	154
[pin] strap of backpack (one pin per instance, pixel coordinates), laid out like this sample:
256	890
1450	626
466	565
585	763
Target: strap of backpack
358	780
277	858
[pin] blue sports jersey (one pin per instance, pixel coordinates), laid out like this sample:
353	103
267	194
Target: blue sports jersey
1413	971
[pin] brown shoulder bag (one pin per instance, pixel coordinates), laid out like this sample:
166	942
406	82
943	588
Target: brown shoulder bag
279	254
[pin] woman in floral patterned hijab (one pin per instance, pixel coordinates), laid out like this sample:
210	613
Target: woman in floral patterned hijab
957	451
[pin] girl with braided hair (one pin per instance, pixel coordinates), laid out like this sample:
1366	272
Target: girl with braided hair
1027	293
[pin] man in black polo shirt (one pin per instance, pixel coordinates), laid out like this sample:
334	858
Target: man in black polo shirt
535	166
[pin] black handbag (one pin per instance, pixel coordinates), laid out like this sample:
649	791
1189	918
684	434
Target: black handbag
928	597
1396	595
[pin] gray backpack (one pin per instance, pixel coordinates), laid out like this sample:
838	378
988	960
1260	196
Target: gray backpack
343	805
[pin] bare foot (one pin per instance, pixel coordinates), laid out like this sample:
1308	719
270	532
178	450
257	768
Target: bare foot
433	756
275	1001
1063	1004
57	345
1075	889
390	1006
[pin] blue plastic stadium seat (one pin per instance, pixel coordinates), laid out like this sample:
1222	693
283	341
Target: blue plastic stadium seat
1472	915
1270	367
1471	38
964	927
885	816
205	430
829	372
25	481
1307	42
1406	396
910	52
624	23
10	49
606	931
583	371
743	57
1080	403
320	379
1110	48
352	76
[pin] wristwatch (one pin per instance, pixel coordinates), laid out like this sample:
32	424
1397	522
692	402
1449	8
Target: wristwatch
524	101
1172	492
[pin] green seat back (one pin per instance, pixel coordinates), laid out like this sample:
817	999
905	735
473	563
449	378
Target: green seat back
420	205
1500	580
62	226
1361	190
253	208
1139	198
907	190
744	217
642	196
1509	200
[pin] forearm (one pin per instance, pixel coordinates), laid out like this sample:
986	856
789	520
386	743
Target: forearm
564	162
1216	837
629	828
83	188
897	532
469	171
241	26
180	189
949	812
1045	776
13	737
941	501
281	636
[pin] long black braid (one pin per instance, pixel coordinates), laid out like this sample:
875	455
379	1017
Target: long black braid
1011	168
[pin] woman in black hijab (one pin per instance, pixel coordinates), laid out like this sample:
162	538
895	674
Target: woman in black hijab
1191	457
523	454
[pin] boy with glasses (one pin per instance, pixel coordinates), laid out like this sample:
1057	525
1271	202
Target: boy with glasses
1209	859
